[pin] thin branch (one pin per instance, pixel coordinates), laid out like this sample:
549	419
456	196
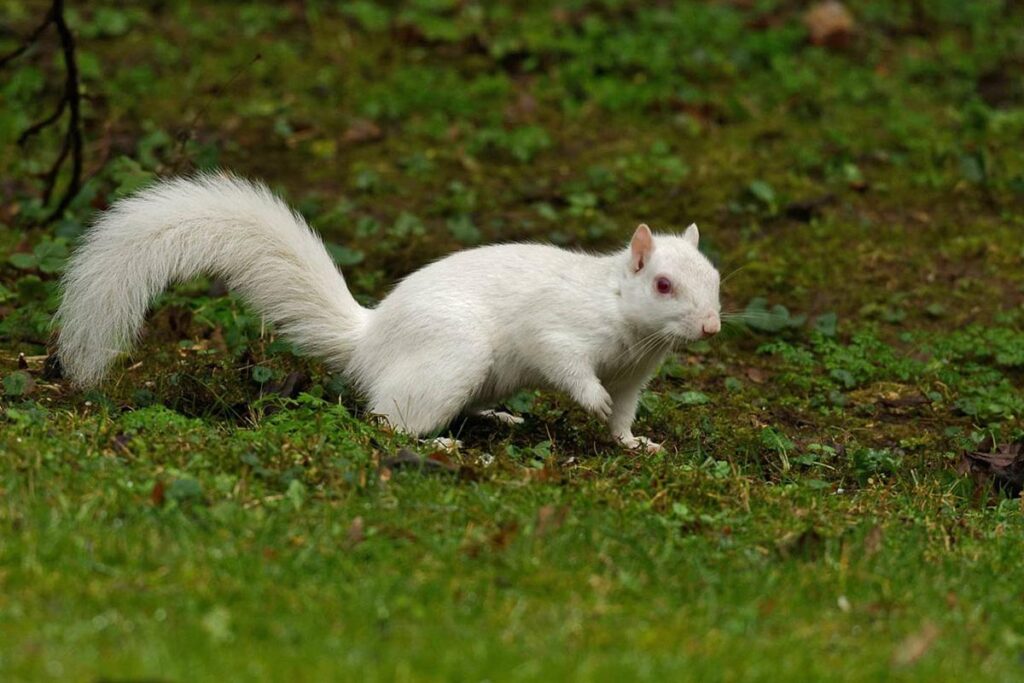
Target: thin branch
187	133
71	141
51	175
73	96
35	128
29	41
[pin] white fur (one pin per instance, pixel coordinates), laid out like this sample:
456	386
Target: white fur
457	335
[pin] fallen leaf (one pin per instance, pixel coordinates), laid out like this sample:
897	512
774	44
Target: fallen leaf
550	518
504	536
829	23
807	544
522	110
120	443
756	375
1000	465
873	541
289	387
915	646
441	460
356	533
549	473
363	130
406	459
904	401
156	496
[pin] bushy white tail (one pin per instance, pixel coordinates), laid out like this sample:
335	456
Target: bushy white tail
211	224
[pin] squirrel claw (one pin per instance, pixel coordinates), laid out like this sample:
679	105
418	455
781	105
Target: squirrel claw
502	417
637	443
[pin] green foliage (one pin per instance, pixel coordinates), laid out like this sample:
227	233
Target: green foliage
758	316
806	519
870	462
345	256
47	256
689	398
17	384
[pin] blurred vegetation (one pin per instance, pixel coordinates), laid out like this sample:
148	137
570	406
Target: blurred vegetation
219	509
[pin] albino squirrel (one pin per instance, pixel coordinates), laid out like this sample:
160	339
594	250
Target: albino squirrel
457	335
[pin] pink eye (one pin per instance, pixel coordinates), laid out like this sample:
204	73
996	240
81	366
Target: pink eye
663	285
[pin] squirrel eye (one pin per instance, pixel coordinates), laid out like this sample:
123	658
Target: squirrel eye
663	285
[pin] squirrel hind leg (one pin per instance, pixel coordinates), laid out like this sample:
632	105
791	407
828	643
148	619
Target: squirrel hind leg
419	404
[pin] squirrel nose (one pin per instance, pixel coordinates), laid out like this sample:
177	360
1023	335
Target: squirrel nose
711	325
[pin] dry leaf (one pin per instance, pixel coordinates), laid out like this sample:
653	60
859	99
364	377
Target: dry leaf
363	130
156	496
829	23
806	545
504	536
522	110
291	386
550	518
410	460
908	401
756	375
915	646
441	460
873	541
1001	465
356	533
120	443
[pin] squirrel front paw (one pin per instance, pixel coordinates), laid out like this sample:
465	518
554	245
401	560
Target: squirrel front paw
639	443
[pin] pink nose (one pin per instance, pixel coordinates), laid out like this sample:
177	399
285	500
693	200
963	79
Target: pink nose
711	325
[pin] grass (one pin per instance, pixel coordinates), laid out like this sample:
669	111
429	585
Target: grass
221	508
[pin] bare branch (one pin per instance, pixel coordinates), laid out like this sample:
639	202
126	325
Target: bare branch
72	95
71	143
36	127
29	41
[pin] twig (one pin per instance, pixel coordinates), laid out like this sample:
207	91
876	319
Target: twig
186	133
32	38
72	95
39	125
70	101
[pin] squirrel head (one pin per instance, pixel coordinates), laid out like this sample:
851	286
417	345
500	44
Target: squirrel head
669	287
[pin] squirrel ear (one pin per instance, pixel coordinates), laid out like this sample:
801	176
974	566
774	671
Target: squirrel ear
692	235
640	247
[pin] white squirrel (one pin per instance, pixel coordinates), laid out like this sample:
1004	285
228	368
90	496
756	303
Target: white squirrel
457	335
